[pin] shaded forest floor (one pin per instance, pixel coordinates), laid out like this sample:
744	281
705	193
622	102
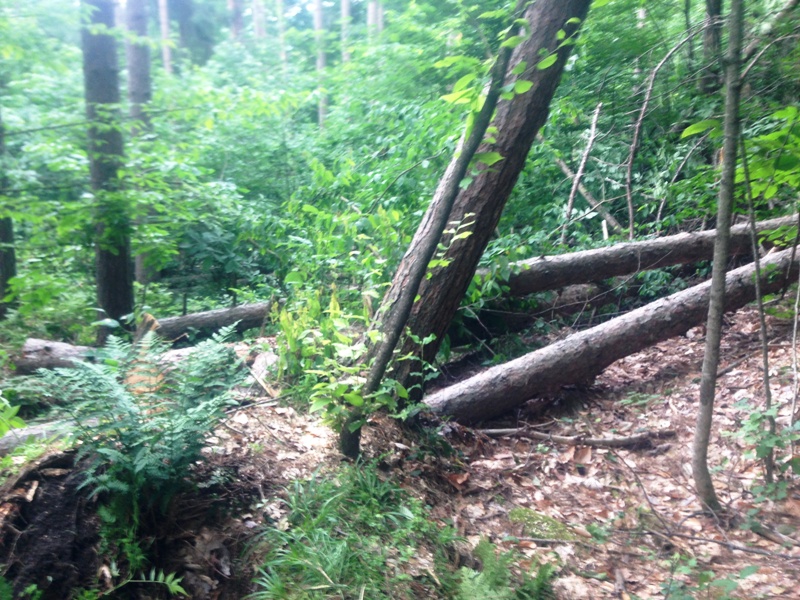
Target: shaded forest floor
617	523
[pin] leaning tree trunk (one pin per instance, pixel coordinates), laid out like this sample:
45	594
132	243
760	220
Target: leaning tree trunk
478	208
716	308
113	227
582	356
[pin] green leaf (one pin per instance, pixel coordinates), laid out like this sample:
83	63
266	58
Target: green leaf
700	127
547	62
519	68
464	82
599	3
400	390
488	158
747	571
295	277
513	41
522	85
354	399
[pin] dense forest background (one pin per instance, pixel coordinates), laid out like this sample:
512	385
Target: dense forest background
163	158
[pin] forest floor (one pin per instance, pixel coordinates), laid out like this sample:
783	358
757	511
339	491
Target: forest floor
617	523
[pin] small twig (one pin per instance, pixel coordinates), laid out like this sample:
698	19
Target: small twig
581	440
576	181
724	544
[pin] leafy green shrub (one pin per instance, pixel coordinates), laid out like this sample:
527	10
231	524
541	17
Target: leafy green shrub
142	424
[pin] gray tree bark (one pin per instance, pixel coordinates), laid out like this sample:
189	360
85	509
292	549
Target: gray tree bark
114	272
8	256
552	272
582	356
716	308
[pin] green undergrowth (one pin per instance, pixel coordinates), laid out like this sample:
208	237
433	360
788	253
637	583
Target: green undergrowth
359	535
354	535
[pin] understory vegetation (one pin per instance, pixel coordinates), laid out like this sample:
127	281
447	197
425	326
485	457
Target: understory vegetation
288	158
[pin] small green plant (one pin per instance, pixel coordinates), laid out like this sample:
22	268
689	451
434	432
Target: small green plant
142	426
494	580
356	532
688	582
8	416
540	525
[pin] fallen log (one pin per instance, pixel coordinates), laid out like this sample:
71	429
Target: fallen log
558	271
44	354
582	356
636	442
249	316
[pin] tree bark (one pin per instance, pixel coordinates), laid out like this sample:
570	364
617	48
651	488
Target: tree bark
166	49
249	316
716	308
114	271
345	29
235	14
582	356
319	40
518	122
45	354
712	43
553	272
259	20
8	256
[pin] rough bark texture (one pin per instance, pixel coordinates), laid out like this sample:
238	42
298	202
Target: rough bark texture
582	356
710	80
137	50
481	204
716	308
249	316
114	272
163	22
44	354
8	256
553	272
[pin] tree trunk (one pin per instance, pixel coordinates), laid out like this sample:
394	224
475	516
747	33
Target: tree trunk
235	13
279	10
582	356
345	28
259	20
140	93
8	256
712	43
716	308
553	272
166	49
479	206
113	228
45	354
319	39
248	316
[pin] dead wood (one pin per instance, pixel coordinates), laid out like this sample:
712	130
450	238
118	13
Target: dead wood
44	354
554	272
247	316
640	440
582	356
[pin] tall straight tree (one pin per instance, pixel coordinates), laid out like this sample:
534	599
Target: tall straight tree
8	256
716	308
140	93
101	88
166	49
235	10
319	39
259	20
712	47
345	29
478	207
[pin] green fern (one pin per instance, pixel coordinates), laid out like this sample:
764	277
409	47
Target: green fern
142	423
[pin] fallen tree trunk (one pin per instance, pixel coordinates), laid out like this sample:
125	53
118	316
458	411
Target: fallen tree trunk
249	316
44	354
582	356
561	270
